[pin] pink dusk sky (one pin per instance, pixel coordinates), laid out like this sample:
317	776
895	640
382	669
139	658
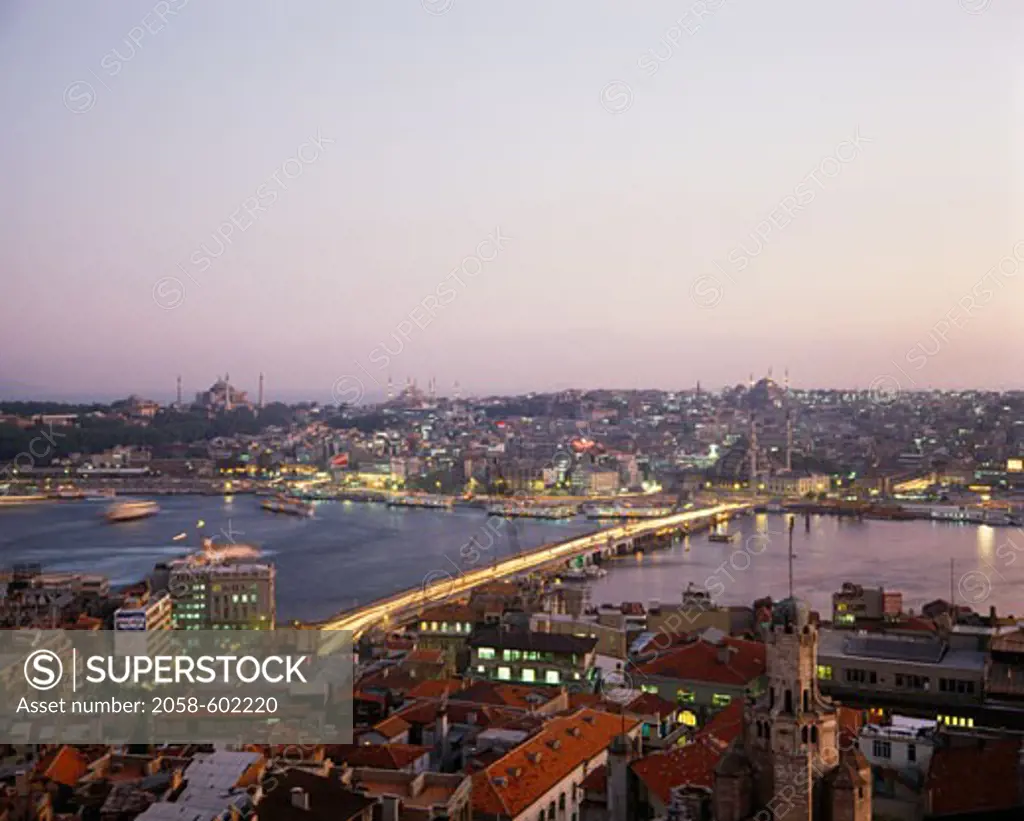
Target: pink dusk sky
518	196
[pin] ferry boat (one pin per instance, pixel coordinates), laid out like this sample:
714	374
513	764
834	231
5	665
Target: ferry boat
722	538
129	511
435	502
965	514
291	507
619	511
526	511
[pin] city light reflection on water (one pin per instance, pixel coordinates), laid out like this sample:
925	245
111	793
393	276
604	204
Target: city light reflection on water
357	552
912	557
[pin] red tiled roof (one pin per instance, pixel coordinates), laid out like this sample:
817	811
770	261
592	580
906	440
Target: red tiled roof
379	756
699	661
596	780
67	766
993	783
521	696
517	780
436	688
392	726
448	612
692	765
577	700
425	712
650	704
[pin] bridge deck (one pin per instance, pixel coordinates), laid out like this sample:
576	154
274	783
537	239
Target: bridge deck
441	584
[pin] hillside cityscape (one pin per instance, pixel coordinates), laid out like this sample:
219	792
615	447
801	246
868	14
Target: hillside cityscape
706	707
504	411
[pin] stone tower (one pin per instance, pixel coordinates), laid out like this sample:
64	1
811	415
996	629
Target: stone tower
849	787
794	729
788	762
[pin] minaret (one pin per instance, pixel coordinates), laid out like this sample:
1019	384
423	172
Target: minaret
261	391
753	453
227	391
179	390
456	390
789	439
433	387
391	390
789	421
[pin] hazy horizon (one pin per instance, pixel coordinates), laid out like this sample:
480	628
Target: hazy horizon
519	197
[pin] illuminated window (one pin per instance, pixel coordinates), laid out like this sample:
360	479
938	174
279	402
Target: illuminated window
686	696
423	626
485	653
825	672
551	677
481	669
433	626
529	674
505	673
719	700
649	688
687	718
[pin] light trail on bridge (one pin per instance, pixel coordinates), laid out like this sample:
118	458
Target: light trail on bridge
358	621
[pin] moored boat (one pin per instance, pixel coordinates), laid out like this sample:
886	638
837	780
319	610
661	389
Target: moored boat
527	511
435	502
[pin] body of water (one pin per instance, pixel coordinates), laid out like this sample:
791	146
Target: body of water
351	553
347	553
911	557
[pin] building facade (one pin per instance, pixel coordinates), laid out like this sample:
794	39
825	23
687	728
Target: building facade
502	654
238	596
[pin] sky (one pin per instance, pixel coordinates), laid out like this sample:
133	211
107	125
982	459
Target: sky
515	196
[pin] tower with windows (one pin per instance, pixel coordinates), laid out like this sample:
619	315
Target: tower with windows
789	758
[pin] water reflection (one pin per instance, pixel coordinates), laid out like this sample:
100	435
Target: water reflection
909	557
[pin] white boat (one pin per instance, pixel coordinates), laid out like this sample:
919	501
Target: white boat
436	502
621	511
965	514
129	511
593	571
527	511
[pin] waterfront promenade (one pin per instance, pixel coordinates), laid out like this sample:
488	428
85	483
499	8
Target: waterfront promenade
441	585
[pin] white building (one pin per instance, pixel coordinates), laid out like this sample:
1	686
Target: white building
145	613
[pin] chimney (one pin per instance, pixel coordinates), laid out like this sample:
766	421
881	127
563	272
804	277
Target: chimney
724	653
441	735
300	798
390	806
